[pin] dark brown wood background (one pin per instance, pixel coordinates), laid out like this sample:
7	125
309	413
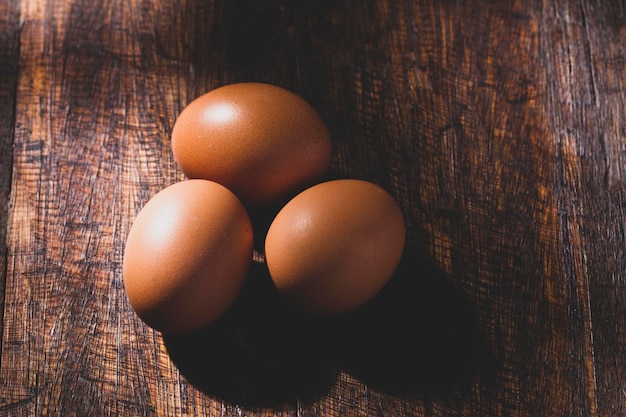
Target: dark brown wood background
500	127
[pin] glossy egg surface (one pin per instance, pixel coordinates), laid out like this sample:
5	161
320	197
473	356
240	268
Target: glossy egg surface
187	256
261	141
335	245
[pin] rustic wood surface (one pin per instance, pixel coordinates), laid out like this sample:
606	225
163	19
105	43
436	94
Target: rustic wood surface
499	126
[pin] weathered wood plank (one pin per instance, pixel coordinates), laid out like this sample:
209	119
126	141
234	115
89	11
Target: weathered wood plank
89	150
583	49
9	52
498	126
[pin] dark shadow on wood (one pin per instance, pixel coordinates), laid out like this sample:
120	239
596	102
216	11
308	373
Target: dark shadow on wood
261	353
417	336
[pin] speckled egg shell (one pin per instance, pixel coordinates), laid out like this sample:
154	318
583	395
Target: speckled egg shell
334	246
187	256
262	142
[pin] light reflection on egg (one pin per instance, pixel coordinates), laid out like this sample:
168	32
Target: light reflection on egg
187	256
261	141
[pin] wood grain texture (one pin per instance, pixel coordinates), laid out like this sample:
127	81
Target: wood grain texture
498	126
9	52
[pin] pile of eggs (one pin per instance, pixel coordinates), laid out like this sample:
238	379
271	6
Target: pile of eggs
330	248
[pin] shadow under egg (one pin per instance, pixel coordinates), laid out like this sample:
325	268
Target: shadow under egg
262	352
418	335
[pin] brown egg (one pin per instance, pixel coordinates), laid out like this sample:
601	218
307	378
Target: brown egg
334	246
187	256
262	142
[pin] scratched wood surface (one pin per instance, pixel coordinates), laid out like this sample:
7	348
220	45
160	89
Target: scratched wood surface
500	127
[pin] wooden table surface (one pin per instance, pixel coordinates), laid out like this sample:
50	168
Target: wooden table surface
499	126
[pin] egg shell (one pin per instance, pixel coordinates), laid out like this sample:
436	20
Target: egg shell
261	141
187	256
334	246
